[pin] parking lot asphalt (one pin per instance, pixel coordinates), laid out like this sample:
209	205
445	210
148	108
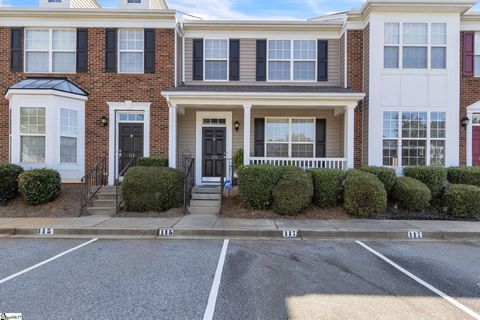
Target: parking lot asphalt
174	279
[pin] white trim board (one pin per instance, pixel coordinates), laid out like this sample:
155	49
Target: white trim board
114	107
200	115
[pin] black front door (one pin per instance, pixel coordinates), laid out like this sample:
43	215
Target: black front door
214	149
130	143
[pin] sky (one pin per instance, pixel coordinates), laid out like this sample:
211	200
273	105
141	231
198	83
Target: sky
242	9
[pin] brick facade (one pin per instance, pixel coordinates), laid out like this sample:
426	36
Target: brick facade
469	94
355	75
104	87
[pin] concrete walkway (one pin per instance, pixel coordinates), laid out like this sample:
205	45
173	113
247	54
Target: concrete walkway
212	226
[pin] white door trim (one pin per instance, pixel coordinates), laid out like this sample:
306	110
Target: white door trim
472	109
114	107
227	115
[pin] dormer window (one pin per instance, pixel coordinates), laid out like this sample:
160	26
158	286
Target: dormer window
134	1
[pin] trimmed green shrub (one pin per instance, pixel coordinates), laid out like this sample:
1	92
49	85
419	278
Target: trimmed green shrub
327	187
462	201
464	175
411	194
152	162
433	177
386	175
293	192
365	195
152	189
39	186
256	184
9	181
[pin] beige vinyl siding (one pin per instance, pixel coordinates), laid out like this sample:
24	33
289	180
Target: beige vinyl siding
333	124
248	66
187	128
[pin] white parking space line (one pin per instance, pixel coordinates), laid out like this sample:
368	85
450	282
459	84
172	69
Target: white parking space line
45	262
212	298
442	294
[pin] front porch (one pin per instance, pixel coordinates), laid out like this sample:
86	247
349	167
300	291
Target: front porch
308	130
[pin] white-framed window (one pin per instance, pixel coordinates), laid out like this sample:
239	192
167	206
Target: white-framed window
290	137
134	1
292	60
131	117
32	135
50	50
131	51
68	135
414	138
216	59
415	45
476	67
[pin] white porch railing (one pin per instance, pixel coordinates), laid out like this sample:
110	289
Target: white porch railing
304	163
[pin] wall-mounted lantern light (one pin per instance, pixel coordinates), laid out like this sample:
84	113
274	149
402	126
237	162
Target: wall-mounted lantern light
104	121
236	125
465	121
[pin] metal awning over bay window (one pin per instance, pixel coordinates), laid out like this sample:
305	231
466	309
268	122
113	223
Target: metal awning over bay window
290	139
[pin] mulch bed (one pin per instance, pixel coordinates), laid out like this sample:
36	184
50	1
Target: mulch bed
172	213
68	204
234	208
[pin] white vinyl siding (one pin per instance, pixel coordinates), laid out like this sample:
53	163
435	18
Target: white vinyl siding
50	50
131	51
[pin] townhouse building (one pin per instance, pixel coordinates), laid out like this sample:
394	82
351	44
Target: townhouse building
393	83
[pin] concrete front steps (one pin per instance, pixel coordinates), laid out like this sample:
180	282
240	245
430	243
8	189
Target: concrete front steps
205	200
105	201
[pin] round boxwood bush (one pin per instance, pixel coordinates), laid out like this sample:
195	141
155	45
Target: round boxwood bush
152	189
39	186
411	194
9	181
386	175
462	201
256	184
364	196
327	187
293	192
464	175
433	177
152	162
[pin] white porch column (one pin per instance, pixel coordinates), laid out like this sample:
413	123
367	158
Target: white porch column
469	139
172	136
246	133
349	136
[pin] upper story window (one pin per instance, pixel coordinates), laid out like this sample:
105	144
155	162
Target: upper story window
407	45
216	59
134	1
292	60
50	50
131	51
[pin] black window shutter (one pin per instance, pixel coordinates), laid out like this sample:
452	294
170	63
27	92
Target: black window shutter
149	54
197	59
16	62
259	137
234	60
320	138
261	60
322	60
82	50
111	50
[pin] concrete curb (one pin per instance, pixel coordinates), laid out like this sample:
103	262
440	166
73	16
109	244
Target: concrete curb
240	233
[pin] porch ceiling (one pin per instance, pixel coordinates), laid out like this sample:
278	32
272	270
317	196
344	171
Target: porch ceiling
277	96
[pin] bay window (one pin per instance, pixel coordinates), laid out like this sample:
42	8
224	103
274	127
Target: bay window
32	135
50	50
68	136
292	60
409	45
131	51
290	137
414	138
216	59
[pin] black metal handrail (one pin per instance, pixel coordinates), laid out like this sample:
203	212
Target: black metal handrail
189	180
93	181
131	163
